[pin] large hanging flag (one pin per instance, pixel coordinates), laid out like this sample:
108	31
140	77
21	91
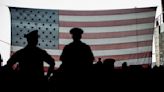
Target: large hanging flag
123	34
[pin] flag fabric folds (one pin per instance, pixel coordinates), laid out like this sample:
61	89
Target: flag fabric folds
123	34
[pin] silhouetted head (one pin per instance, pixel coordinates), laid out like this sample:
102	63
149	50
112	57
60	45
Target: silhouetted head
124	65
76	33
99	59
32	38
109	63
0	59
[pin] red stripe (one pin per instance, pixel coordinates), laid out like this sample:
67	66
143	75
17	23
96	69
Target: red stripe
146	65
105	12
113	46
118	57
117	46
109	34
107	23
46	68
127	56
143	66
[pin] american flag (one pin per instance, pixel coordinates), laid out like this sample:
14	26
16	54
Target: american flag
123	34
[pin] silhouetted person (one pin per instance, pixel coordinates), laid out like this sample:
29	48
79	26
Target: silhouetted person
1	61
98	65
109	64
77	59
157	23
99	61
30	60
124	66
77	54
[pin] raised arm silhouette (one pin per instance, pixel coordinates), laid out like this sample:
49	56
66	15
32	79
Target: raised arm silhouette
30	61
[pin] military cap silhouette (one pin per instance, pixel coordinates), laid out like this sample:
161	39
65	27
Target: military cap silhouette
31	35
76	31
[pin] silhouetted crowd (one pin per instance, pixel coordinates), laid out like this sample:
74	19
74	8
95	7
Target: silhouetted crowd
24	71
101	76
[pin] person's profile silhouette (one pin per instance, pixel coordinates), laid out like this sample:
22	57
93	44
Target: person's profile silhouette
77	54
30	61
1	61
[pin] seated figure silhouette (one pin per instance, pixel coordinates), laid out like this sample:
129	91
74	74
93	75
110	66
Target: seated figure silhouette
77	54
30	61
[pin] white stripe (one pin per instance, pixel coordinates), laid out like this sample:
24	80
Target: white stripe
102	52
134	61
110	29
117	63
110	40
106	17
122	51
57	64
108	52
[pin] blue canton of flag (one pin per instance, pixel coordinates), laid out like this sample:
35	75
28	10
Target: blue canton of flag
26	20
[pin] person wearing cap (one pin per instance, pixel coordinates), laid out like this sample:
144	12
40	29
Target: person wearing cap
77	55
30	60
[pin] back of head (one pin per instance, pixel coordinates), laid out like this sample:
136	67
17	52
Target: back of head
76	34
32	38
76	31
32	35
109	63
124	65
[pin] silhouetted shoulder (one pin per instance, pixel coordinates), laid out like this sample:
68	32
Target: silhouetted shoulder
87	46
41	50
18	53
